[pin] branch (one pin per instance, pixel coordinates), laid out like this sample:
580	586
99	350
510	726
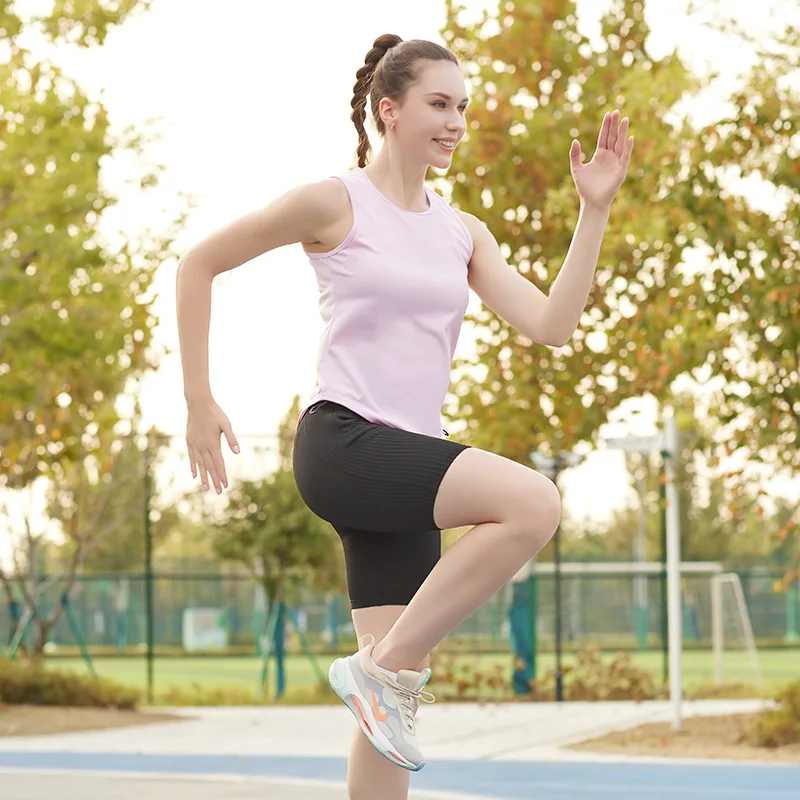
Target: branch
6	581
47	625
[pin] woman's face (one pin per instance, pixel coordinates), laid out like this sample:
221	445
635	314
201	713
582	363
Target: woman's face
431	121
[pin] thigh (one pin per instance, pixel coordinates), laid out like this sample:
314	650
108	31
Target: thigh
357	474
387	569
483	487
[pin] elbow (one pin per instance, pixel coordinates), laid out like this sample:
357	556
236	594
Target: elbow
190	265
553	338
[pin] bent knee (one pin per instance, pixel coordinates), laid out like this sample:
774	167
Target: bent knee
539	512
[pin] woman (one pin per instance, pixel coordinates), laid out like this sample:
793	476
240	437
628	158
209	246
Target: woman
395	264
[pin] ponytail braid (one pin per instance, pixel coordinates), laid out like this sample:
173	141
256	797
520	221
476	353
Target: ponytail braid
362	88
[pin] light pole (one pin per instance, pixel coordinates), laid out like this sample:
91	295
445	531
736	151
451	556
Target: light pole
552	466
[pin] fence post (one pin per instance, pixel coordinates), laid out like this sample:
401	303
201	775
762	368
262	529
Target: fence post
148	571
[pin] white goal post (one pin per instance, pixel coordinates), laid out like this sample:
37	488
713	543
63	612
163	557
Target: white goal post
727	597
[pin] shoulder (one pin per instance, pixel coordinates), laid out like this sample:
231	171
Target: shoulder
327	198
470	220
475	226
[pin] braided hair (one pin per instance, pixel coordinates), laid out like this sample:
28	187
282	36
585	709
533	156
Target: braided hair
390	67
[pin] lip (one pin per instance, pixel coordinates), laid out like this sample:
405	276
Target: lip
446	149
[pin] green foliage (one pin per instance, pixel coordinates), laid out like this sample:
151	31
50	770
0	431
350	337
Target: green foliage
31	683
653	313
87	22
780	726
75	312
536	85
76	316
268	529
100	503
723	518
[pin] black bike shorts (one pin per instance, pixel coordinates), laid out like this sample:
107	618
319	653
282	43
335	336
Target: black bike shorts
376	486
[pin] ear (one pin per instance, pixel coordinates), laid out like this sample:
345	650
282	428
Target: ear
387	112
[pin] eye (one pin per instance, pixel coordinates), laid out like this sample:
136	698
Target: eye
440	103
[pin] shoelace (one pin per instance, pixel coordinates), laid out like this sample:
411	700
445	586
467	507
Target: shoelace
410	702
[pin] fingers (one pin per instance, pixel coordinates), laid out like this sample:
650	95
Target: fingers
613	130
212	463
218	474
619	146
602	137
198	467
209	466
626	154
575	154
233	442
192	460
202	473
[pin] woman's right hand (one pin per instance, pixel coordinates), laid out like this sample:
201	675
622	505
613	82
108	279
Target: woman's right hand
205	423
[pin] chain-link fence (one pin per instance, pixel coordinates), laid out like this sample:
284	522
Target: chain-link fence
111	612
149	535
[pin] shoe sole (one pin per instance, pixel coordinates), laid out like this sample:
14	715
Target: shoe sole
341	679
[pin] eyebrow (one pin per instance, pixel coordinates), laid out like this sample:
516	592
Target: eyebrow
445	96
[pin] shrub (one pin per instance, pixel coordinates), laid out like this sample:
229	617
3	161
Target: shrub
594	679
31	683
779	726
590	679
197	695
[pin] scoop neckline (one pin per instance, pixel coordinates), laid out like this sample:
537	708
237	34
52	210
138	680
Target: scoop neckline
428	210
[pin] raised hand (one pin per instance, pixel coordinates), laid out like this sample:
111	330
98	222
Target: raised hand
599	180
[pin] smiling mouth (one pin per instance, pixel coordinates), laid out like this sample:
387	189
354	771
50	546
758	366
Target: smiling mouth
447	144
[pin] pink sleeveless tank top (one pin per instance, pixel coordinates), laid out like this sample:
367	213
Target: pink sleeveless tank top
392	297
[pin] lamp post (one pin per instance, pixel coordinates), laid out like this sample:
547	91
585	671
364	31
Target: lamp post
552	466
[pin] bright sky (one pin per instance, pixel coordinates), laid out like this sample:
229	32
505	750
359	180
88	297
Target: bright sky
253	99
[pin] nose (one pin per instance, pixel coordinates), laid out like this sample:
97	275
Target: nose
455	125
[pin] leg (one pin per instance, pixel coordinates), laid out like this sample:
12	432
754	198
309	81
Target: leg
515	511
370	776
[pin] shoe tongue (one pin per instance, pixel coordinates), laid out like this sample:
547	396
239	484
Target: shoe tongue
413	680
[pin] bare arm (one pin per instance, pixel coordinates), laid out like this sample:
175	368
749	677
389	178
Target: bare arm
570	290
552	319
300	215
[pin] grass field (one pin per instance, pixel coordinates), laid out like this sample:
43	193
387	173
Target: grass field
779	667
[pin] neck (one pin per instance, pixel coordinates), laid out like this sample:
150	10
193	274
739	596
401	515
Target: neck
401	182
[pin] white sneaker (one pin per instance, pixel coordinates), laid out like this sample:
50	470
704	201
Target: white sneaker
384	708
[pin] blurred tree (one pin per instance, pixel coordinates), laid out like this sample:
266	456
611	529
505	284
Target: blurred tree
75	312
97	503
75	317
722	518
100	503
268	529
749	282
653	314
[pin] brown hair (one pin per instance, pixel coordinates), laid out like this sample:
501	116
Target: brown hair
390	67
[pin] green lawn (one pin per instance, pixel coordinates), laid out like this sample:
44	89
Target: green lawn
779	667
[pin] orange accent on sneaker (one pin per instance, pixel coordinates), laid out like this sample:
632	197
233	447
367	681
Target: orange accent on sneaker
379	716
362	714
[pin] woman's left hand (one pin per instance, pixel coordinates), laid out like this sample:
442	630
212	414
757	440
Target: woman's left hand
599	180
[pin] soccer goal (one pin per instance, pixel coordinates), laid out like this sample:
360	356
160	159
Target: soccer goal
620	605
732	632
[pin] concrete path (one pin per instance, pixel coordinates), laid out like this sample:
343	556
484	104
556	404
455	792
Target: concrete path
485	752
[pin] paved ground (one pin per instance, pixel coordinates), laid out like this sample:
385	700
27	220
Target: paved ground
501	752
103	787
